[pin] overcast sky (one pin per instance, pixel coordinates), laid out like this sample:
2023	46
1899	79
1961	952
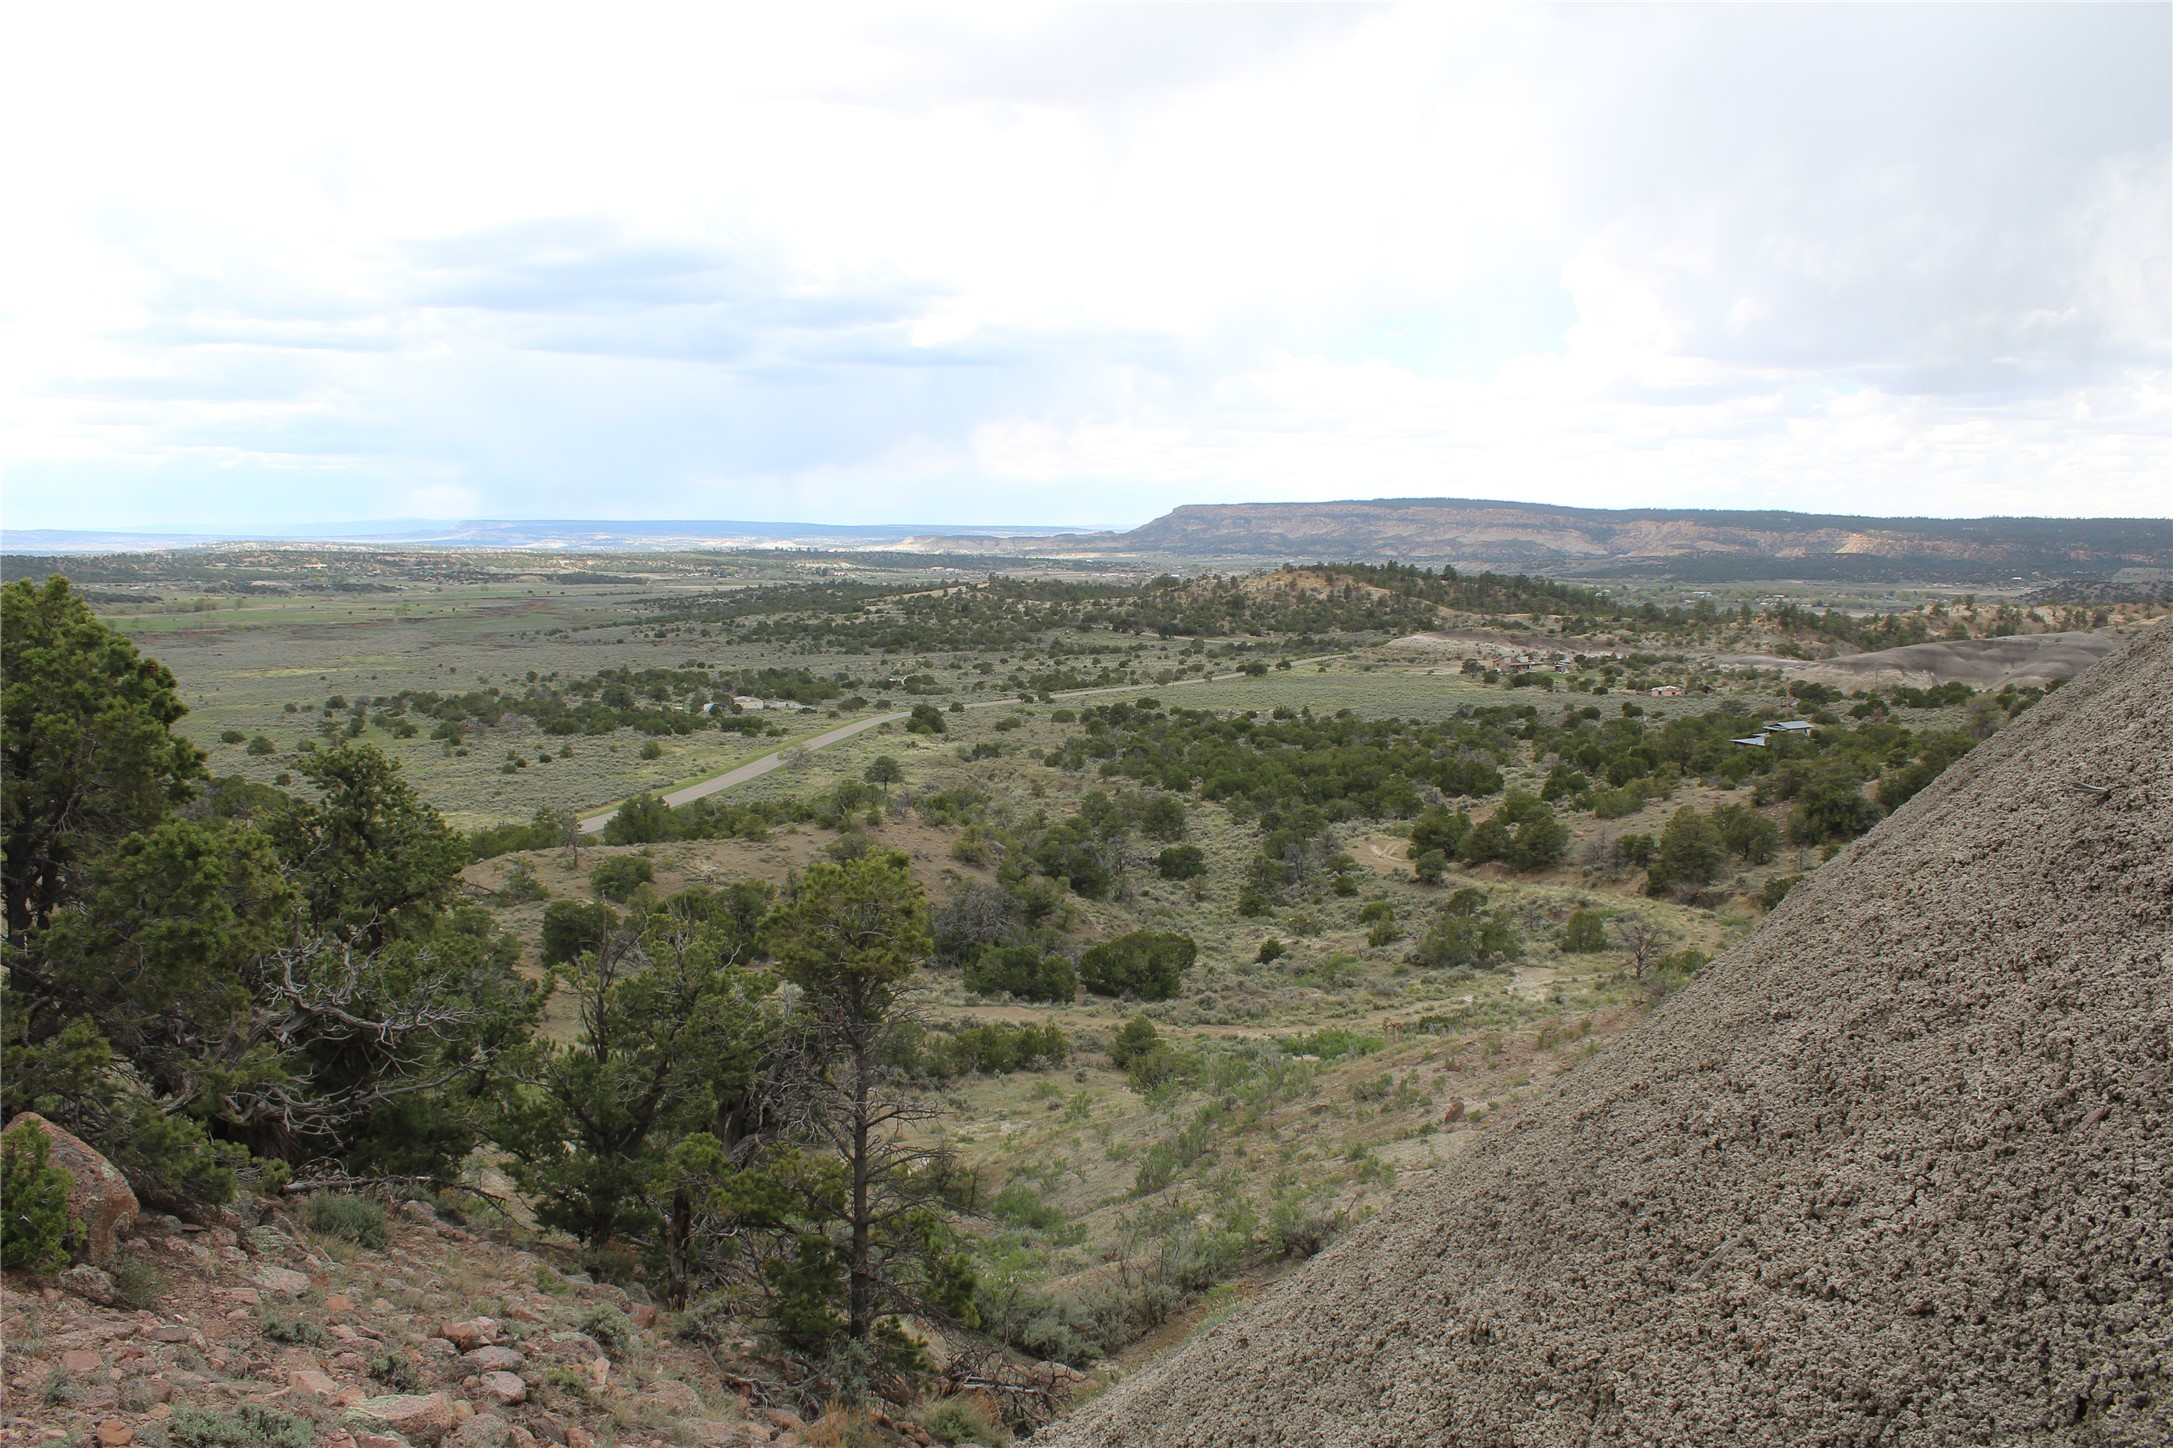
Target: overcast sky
1001	264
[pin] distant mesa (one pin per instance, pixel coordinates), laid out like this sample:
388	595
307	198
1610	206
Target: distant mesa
1687	544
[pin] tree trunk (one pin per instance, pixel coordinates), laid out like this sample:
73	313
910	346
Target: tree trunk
682	1236
862	1286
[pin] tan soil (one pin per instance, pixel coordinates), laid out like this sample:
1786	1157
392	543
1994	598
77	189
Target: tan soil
1897	1169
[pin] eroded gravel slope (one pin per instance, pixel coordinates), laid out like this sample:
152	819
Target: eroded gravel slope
1898	1169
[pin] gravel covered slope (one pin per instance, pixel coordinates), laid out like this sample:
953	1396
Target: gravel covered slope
1897	1169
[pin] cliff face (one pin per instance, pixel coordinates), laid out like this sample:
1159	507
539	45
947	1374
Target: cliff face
1497	534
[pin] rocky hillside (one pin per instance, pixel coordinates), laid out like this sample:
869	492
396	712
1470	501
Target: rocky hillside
1894	1170
1692	544
269	1326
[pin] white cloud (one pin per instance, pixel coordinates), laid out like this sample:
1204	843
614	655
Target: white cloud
1079	264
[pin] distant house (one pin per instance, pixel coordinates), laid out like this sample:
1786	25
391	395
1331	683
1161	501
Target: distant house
1756	741
1792	726
748	701
1667	691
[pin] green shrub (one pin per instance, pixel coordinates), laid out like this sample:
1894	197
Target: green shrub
612	1329
1585	933
1461	938
137	1284
997	1048
571	929
1022	971
294	1331
251	1425
354	1219
1135	1038
261	746
1019	1205
619	877
1149	964
1271	949
1776	890
35	1227
963	1420
1330	1042
1181	862
1429	867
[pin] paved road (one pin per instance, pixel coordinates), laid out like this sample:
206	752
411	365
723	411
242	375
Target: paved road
756	768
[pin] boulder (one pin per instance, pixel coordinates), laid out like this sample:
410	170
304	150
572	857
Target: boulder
322	1385
282	1281
419	1418
674	1397
494	1360
88	1283
471	1334
99	1197
506	1388
484	1430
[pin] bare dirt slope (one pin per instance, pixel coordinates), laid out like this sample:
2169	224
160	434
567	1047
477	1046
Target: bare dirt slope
1898	1169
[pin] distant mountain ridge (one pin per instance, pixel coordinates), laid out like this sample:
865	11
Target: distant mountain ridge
1680	542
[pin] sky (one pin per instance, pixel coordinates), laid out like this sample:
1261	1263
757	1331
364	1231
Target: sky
273	265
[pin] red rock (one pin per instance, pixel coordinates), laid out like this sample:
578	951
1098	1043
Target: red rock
113	1433
418	1418
338	1302
99	1197
790	1422
579	1437
506	1388
469	1335
81	1360
643	1314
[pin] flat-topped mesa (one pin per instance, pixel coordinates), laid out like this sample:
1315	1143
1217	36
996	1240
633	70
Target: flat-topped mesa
1898	1168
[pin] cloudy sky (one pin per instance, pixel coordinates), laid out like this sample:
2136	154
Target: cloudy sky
999	264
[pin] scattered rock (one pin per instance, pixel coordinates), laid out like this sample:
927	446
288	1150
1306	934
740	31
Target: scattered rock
507	1388
282	1281
113	1433
99	1197
379	1440
579	1437
783	1419
493	1360
415	1417
338	1302
81	1360
643	1314
469	1335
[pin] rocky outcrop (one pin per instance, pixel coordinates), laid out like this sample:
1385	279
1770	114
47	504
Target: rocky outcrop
99	1198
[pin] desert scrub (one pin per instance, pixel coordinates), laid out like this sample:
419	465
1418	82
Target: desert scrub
964	1420
137	1284
611	1328
294	1331
352	1219
395	1372
249	1426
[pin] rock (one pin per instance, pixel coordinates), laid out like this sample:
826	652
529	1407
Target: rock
322	1385
469	1335
88	1283
282	1281
418	1211
463	1410
494	1360
81	1360
579	1437
643	1314
783	1420
113	1433
548	1428
507	1388
99	1197
242	1296
484	1430
414	1416
178	1333
674	1397
600	1374
379	1440
338	1302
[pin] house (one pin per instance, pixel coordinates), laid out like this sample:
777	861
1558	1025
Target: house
1667	691
1792	726
1756	741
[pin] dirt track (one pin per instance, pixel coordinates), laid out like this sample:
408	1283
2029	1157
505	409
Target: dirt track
1897	1169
